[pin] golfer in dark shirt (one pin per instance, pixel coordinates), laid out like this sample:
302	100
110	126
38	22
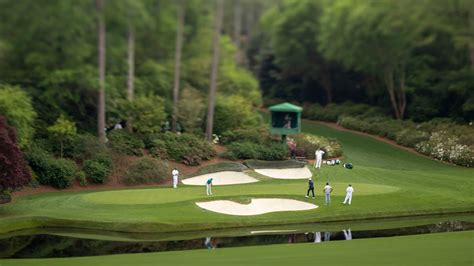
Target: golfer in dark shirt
310	187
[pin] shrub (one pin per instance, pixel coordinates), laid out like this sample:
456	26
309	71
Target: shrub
381	126
145	112
185	148
58	173
332	112
15	105
263	151
125	142
310	143
81	177
146	170
96	171
233	112
5	197
14	171
83	147
446	147
410	137
256	135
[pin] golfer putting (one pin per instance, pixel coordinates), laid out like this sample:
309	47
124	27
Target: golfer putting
209	186
348	198
175	174
327	192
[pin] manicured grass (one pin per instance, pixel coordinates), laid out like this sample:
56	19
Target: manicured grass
434	249
388	182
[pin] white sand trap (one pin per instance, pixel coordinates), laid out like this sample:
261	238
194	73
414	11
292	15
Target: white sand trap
287	173
220	178
256	206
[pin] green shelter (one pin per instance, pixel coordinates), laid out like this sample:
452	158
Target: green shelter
286	119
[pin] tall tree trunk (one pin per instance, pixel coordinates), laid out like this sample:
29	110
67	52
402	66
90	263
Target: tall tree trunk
388	78
325	76
238	30
101	65
214	69
397	95
131	63
471	29
177	65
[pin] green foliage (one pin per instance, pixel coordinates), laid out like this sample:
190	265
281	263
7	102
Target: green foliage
269	151
63	130
256	135
233	80
146	170
5	197
234	112
191	109
439	138
146	113
310	143
96	171
185	148
410	137
58	173
17	107
84	146
124	142
332	112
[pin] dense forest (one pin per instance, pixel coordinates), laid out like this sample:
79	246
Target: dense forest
74	70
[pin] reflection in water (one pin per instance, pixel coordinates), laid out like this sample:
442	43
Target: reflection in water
347	234
327	236
51	246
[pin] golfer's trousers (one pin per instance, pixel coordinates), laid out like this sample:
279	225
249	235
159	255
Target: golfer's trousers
310	189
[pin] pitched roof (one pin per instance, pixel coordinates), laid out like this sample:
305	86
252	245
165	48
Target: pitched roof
285	107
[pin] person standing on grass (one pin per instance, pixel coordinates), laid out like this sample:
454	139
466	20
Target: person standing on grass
348	198
310	187
209	186
318	158
175	174
327	192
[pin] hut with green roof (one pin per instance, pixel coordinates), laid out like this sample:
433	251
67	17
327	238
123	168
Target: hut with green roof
285	119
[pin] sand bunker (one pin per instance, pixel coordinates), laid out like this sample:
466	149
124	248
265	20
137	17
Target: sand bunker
287	173
256	206
220	178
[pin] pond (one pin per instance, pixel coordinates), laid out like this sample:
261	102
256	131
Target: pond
55	243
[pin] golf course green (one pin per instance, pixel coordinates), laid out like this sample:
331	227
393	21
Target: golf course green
388	182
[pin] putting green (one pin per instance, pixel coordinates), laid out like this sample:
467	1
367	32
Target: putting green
160	196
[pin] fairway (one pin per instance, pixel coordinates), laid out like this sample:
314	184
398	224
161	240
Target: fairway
434	249
388	182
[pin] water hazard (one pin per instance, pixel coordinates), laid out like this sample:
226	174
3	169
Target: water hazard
46	245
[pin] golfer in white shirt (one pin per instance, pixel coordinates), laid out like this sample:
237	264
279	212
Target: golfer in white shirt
175	174
349	191
318	158
327	192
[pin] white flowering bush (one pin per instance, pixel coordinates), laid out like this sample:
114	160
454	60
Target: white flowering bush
310	143
447	147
